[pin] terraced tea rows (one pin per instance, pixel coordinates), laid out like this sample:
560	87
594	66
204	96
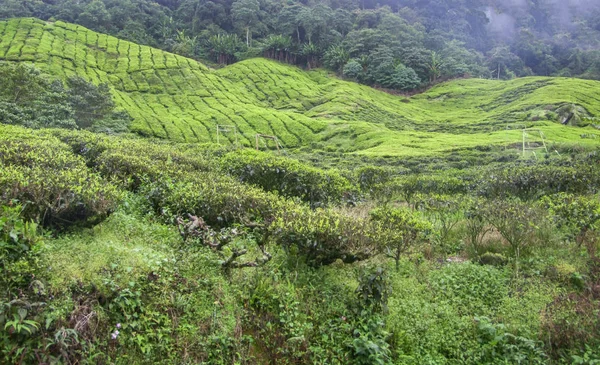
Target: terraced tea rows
167	95
173	97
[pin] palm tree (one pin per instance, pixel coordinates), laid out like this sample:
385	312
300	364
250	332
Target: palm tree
435	66
186	45
278	47
223	47
312	54
336	57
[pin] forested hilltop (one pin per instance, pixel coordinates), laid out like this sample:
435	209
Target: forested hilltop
396	44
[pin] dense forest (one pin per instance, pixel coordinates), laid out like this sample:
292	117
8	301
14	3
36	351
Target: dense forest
396	44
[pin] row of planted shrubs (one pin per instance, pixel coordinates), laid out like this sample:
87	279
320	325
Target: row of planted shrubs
66	177
53	186
288	177
524	180
62	178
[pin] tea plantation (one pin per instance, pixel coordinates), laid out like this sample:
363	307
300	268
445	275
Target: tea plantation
390	230
180	99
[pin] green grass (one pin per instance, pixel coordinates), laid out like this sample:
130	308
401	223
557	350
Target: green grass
176	98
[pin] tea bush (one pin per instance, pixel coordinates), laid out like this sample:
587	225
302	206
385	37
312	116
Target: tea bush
130	289
534	181
288	177
576	214
325	235
54	186
399	231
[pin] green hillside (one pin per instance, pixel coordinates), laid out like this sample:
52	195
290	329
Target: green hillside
176	98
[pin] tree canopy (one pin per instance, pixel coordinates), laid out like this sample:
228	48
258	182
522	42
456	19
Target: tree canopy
434	39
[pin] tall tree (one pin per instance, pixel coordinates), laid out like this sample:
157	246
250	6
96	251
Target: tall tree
314	20
245	14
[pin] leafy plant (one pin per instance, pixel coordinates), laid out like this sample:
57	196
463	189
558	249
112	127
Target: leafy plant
516	222
400	230
470	288
476	224
578	214
497	342
373	290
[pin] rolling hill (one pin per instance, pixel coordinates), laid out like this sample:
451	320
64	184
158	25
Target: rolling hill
176	98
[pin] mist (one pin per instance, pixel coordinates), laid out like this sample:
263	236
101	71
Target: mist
503	15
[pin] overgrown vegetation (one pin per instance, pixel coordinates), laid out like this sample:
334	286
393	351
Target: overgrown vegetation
180	253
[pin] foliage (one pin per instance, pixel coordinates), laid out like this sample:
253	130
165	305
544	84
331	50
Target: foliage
373	290
537	180
577	214
405	78
336	57
129	289
497	343
20	243
370	178
400	230
353	70
470	288
476	224
436	39
324	236
288	177
369	344
515	221
177	98
31	99
444	212
54	187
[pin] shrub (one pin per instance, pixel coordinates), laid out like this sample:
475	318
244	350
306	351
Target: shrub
476	224
444	211
535	181
369	177
492	259
410	186
324	235
516	222
54	186
288	177
353	70
404	78
399	230
369	344
578	214
30	98
20	241
497	343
